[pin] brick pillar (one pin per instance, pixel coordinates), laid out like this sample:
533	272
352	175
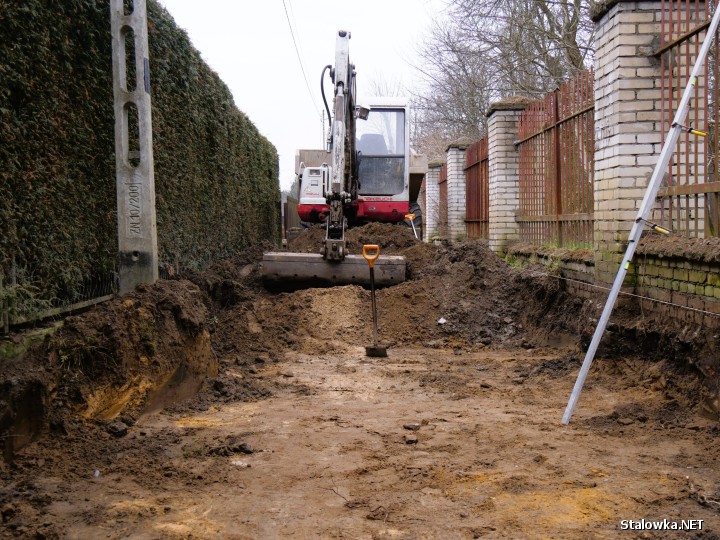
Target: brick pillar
456	190
627	123
503	119
432	200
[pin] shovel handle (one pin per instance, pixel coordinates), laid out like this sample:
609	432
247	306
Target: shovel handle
371	252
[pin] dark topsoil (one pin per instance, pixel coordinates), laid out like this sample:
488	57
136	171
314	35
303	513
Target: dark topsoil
172	344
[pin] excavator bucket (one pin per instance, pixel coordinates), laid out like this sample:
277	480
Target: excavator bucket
282	270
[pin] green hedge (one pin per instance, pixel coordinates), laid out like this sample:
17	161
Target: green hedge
215	175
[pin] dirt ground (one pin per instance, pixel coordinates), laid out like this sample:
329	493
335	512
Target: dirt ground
208	407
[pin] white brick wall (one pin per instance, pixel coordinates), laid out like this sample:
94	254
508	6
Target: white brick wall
503	163
456	192
432	203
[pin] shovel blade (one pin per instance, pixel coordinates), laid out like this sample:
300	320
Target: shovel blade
376	352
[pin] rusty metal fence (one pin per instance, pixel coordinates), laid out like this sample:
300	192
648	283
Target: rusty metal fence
442	211
688	202
290	218
477	189
556	147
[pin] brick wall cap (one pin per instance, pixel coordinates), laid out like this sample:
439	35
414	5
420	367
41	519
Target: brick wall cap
436	163
515	103
600	8
462	143
579	255
678	247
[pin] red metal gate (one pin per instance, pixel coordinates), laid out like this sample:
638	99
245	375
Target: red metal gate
557	143
477	189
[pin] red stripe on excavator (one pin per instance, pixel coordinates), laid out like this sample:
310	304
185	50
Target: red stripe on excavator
384	211
313	213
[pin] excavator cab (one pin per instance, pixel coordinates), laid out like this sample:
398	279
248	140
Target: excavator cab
383	151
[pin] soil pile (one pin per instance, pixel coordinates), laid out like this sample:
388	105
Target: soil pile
118	360
392	239
461	294
458	295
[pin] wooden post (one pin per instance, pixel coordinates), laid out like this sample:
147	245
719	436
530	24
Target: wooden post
137	229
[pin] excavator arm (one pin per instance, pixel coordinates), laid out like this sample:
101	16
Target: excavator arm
343	190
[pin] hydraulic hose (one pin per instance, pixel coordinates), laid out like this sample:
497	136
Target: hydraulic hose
322	91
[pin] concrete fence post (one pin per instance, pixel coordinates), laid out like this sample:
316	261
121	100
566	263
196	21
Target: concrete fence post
135	174
432	201
627	123
503	118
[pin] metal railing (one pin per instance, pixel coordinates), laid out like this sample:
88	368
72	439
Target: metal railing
556	147
477	190
21	302
442	211
688	201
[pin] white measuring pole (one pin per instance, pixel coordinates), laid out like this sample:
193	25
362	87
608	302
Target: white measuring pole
648	202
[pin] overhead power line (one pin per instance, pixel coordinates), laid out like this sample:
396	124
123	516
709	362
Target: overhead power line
297	52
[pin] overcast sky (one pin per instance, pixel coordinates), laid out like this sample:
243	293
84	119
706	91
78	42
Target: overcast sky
251	47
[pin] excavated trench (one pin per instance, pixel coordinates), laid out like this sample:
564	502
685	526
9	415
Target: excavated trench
129	387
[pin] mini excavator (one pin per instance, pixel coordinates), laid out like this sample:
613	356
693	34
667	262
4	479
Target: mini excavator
364	176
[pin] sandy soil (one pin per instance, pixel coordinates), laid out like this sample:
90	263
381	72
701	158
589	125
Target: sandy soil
209	408
327	456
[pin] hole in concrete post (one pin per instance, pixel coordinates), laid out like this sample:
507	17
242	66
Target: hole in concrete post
129	54
132	123
135	256
128	7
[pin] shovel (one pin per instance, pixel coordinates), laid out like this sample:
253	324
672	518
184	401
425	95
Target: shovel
372	252
410	218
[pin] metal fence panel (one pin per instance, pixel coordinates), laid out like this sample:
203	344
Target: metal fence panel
688	200
556	146
291	219
442	214
477	189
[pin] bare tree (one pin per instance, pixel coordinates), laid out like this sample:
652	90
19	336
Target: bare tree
484	50
532	45
457	90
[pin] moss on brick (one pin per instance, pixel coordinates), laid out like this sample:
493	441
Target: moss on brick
697	277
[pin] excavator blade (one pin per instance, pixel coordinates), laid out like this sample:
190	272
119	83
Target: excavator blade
282	270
